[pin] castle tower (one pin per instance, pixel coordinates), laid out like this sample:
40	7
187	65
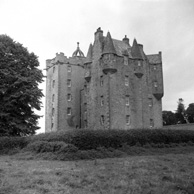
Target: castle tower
116	86
63	91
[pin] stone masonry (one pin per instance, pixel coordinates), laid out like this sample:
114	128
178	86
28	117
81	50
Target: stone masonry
116	86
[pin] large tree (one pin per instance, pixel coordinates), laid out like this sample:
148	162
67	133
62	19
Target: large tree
19	92
190	113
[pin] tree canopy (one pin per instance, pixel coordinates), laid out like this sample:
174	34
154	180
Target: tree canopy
19	92
190	113
180	112
169	118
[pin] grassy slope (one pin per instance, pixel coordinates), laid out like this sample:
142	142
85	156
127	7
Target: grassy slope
168	173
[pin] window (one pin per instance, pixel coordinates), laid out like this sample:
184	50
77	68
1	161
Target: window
69	83
125	60
52	125
150	102
85	89
54	69
68	97
53	111
102	100
53	83
101	80
155	68
127	80
155	84
53	98
68	68
85	123
139	63
151	123
68	111
102	119
127	100
128	119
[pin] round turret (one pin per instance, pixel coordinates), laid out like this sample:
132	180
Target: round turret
109	56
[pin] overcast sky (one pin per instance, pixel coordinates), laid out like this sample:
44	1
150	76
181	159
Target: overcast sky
46	27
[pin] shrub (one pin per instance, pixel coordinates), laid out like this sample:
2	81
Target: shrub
45	146
12	143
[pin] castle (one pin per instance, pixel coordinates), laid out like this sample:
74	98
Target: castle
116	86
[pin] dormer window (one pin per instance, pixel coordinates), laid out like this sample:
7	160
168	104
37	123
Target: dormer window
125	60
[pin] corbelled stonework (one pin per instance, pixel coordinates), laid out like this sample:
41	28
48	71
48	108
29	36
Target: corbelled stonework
116	86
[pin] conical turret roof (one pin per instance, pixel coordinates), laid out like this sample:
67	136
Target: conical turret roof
89	55
108	45
135	50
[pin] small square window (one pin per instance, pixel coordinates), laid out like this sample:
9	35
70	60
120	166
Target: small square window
151	123
102	100
69	97
155	84
69	83
102	119
128	119
101	81
150	102
126	80
127	100
68	68
85	123
53	83
68	111
53	111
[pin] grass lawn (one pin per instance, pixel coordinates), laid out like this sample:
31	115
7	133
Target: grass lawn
165	173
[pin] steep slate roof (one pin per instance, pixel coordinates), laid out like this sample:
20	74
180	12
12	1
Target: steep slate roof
136	51
89	54
154	59
121	47
108	45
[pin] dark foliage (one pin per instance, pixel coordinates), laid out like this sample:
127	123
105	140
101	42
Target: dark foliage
90	139
190	113
19	92
180	112
8	144
169	118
